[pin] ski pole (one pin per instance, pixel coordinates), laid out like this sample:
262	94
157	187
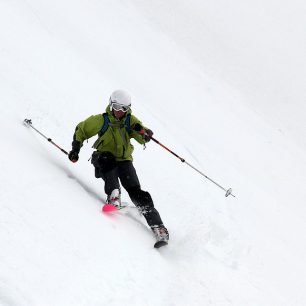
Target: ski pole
227	191
28	123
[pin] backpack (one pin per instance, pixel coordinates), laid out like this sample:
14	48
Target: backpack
106	124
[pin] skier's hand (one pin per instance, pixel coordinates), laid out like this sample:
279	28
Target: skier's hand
147	135
73	156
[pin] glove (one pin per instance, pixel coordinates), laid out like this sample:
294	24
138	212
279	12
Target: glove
147	135
73	156
74	153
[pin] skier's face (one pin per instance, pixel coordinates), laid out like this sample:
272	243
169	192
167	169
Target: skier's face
119	114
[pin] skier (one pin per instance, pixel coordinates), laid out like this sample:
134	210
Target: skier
112	157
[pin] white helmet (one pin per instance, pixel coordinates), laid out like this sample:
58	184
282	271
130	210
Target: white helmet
120	97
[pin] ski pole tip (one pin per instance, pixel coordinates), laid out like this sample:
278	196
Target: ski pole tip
229	192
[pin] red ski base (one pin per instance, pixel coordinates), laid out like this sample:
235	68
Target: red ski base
109	208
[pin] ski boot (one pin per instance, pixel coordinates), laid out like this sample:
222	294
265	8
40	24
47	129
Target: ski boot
161	235
114	198
113	201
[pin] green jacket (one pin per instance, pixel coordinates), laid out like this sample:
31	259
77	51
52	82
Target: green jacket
115	140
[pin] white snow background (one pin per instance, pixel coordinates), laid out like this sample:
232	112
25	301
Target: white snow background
222	83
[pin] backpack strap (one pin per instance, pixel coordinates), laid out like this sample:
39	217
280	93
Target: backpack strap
127	123
105	124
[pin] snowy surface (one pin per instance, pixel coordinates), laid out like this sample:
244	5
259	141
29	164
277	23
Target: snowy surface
223	85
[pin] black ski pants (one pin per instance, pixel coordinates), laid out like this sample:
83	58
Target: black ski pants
126	173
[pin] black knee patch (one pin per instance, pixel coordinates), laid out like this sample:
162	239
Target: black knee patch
140	198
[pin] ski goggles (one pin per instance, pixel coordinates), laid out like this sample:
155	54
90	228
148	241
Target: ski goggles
119	107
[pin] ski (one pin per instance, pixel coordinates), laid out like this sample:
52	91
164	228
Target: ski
109	208
159	244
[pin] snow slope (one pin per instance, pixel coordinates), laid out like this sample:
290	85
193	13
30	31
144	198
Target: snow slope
256	46
59	62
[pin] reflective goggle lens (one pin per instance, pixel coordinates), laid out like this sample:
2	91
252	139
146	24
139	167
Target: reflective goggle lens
120	107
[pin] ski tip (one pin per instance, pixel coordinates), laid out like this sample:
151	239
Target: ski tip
109	208
159	244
